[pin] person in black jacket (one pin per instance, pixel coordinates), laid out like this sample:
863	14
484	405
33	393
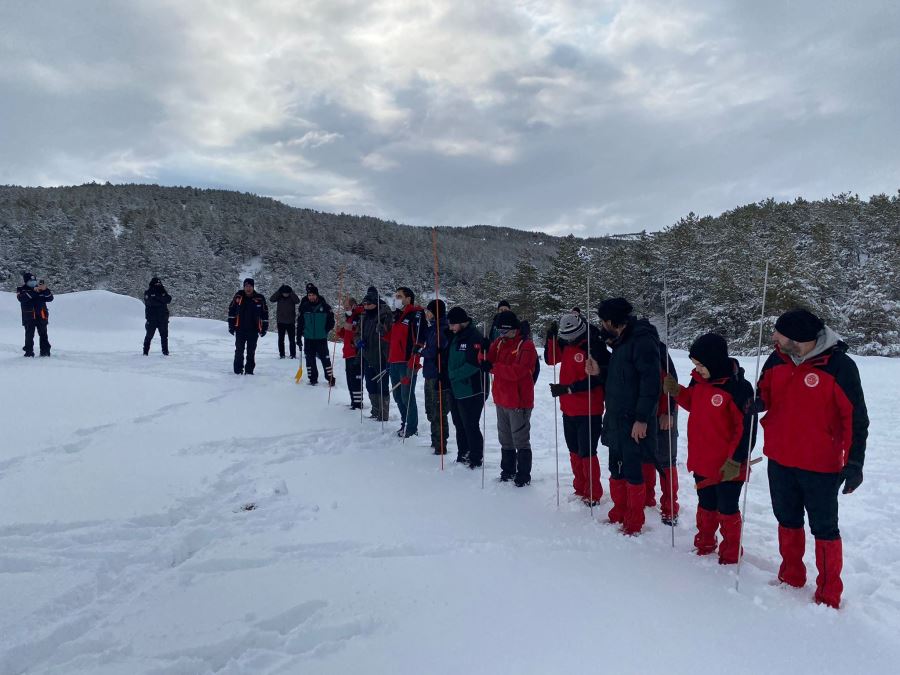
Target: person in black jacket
248	320
285	316
633	386
315	321
34	295
156	313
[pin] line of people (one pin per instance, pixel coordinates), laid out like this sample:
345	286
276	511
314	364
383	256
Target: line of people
617	385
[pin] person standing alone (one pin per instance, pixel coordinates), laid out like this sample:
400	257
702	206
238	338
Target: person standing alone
156	314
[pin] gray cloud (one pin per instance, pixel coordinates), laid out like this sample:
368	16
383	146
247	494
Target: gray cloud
573	115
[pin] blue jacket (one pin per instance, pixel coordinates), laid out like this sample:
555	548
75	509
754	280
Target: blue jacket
430	352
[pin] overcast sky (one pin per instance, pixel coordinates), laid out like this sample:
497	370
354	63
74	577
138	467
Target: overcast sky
573	116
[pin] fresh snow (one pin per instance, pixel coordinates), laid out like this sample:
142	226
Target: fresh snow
162	515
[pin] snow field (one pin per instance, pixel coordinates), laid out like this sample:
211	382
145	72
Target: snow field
166	516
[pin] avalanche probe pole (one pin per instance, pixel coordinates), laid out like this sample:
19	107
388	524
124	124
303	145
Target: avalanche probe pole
590	409
437	333
671	417
484	376
762	317
556	423
380	364
411	376
334	348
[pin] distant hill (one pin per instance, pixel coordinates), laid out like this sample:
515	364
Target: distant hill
839	257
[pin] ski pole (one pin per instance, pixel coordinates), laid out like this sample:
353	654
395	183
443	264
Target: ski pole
762	317
334	349
671	417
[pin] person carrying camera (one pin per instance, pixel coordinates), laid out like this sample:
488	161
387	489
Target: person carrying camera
34	295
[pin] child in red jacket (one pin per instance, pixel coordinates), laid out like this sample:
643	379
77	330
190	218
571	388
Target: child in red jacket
719	436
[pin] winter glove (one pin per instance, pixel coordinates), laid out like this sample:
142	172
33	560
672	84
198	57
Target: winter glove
486	366
299	344
557	390
231	329
552	330
360	344
671	386
730	470
851	477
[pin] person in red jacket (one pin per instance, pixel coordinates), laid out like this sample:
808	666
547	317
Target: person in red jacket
406	340
662	460
347	331
511	359
719	431
581	397
815	427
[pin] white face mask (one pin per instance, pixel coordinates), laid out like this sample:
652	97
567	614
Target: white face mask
32	283
396	303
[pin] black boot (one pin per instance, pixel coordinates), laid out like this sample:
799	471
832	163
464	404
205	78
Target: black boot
507	464
523	467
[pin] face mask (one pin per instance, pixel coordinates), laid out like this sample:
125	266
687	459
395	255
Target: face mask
396	303
32	283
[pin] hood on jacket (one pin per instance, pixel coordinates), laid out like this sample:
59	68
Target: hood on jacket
826	340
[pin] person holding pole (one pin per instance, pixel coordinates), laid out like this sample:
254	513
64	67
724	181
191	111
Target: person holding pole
511	360
633	387
581	396
406	340
348	333
374	326
315	320
434	370
467	382
816	425
720	431
663	461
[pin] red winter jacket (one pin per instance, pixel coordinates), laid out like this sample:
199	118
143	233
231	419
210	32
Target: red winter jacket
407	336
513	362
347	332
719	424
571	358
816	416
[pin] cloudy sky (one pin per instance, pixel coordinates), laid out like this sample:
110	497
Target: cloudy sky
584	116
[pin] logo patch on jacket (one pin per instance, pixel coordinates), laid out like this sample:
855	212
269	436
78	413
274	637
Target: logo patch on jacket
579	358
811	380
717	400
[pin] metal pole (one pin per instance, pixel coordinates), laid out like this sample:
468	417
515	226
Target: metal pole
762	318
671	417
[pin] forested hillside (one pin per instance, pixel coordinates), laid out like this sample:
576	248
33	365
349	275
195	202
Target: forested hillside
839	257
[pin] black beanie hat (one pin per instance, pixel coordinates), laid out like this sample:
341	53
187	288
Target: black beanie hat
311	288
457	315
250	281
27	276
711	351
616	310
799	325
438	308
503	303
508	321
371	296
154	281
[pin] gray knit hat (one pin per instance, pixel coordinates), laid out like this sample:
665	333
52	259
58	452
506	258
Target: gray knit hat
572	327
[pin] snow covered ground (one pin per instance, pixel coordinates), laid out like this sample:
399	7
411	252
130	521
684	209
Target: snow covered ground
126	546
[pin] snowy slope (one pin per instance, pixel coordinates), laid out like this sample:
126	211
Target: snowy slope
125	547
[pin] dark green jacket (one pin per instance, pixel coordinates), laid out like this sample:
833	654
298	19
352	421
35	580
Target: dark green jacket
466	378
314	321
